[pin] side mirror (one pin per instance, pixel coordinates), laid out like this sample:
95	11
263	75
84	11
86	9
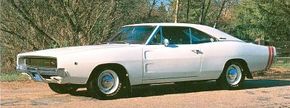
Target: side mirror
166	42
211	40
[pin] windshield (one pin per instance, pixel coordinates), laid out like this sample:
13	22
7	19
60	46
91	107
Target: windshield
133	35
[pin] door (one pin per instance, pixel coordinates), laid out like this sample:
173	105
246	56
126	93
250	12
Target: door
180	59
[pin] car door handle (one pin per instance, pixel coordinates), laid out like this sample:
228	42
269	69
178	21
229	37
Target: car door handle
197	51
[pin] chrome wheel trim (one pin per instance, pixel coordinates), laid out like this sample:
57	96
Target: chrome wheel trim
108	82
233	74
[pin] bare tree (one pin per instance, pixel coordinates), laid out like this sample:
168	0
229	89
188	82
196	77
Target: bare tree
151	8
187	10
41	24
204	10
176	11
220	12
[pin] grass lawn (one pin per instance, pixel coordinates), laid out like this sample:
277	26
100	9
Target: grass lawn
282	62
12	76
285	66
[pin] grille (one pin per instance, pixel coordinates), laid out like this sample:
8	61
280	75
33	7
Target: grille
41	62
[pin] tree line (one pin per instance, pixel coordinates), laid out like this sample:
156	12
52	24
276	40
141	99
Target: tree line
27	25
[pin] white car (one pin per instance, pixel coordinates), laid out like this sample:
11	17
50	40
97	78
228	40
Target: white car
145	54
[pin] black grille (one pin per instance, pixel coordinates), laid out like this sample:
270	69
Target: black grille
41	62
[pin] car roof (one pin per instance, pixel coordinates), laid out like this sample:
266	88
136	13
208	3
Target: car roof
220	35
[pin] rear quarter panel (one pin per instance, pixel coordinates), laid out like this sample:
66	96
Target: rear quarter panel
216	54
256	56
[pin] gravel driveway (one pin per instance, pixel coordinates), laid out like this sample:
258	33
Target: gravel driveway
256	93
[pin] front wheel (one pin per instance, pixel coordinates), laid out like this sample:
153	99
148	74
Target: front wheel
107	84
233	76
62	88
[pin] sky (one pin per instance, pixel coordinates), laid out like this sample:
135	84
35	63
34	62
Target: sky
166	2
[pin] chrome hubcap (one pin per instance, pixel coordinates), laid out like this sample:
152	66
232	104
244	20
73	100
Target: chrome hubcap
234	74
108	82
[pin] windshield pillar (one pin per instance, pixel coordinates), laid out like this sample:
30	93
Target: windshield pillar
152	34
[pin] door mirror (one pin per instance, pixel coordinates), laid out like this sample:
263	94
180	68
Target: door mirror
211	40
166	42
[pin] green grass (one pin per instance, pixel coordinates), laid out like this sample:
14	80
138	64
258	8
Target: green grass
12	76
282	63
286	65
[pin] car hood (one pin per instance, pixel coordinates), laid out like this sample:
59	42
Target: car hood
72	50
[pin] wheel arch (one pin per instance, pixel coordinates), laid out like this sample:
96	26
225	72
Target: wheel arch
123	71
247	73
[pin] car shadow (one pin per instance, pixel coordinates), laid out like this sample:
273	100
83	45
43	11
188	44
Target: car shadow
157	90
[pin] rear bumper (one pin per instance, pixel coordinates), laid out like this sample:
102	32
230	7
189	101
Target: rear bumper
47	75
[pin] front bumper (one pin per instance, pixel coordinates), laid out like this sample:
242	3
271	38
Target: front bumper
47	75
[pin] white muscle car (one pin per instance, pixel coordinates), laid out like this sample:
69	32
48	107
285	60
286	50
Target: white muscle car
145	54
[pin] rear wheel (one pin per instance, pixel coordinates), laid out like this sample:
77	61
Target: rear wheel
62	88
107	84
233	76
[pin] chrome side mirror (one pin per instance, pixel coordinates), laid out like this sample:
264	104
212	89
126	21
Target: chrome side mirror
211	40
166	42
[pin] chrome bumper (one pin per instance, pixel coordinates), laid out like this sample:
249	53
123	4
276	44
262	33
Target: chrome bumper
48	75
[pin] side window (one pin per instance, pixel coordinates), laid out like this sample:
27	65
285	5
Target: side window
156	39
199	37
176	35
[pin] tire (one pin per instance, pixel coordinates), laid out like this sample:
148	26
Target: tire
233	76
62	88
108	84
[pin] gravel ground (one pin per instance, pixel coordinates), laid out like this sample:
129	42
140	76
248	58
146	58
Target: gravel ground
256	93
